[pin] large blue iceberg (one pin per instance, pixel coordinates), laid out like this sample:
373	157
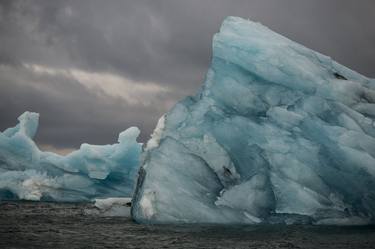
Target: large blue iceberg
278	134
93	171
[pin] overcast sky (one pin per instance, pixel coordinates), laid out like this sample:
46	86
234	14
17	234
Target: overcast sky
94	68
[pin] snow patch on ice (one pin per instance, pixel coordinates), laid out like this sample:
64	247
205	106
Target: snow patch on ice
156	135
146	204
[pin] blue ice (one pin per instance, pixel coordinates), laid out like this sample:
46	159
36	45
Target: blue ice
277	134
93	171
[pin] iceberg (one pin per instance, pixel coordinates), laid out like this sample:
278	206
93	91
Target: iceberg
277	134
93	171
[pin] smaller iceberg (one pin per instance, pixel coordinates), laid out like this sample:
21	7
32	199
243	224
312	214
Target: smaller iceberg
111	207
93	171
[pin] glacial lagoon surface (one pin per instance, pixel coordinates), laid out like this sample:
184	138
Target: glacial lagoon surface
28	224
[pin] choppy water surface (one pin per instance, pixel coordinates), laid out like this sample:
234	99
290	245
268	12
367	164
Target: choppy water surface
52	225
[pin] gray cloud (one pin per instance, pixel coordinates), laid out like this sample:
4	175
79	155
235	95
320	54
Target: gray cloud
161	42
70	112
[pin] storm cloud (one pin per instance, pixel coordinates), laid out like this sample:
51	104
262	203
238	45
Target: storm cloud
94	68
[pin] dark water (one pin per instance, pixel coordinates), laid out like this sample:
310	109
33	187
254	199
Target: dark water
51	225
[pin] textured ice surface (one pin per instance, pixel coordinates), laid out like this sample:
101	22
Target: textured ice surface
90	172
278	134
111	207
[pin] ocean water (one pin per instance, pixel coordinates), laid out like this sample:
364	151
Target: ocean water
67	225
